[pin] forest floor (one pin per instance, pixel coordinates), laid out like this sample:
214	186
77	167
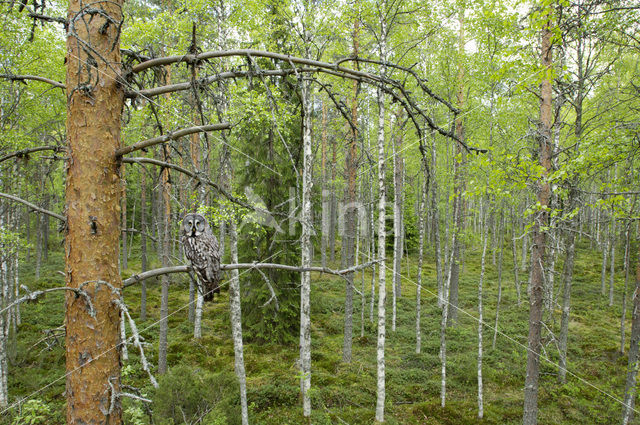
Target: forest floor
201	383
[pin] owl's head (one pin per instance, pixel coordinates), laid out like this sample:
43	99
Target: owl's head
194	225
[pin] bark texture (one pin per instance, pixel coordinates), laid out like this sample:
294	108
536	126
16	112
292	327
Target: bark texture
541	223
93	190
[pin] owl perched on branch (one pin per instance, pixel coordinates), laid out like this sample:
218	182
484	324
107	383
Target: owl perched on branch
201	248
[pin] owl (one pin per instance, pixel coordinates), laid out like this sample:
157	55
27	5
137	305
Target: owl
201	248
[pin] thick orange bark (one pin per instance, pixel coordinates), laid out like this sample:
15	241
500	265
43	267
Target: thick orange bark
93	193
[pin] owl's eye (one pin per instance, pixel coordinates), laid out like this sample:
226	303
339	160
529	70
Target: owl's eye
190	222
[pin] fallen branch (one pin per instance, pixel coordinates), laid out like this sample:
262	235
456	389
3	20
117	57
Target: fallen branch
33	206
172	136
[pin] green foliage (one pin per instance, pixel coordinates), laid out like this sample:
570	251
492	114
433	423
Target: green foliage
187	395
34	412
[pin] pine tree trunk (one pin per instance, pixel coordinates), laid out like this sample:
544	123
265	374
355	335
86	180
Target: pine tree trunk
93	190
541	223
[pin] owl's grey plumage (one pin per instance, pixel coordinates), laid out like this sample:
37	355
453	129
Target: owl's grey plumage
202	249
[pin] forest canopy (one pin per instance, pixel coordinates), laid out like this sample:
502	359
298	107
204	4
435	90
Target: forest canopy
319	212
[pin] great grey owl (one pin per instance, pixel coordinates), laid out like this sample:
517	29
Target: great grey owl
201	248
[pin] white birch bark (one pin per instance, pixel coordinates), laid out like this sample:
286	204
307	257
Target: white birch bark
443	327
382	290
197	318
396	236
480	319
305	290
603	274
124	351
500	258
612	255
4	325
436	225
422	225
236	323
623	318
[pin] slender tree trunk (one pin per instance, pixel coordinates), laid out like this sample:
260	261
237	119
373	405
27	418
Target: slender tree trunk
45	228
627	266
436	225
500	257
305	290
163	342
603	275
351	210
333	209
123	202
38	246
382	288
480	318
570	246
236	323
446	307
372	245
93	221
4	315
397	218
458	189
514	250
143	241
325	192
612	255
634	360
422	230
541	223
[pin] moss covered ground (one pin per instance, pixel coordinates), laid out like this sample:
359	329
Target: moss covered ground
201	388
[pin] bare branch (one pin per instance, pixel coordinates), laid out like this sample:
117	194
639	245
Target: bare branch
46	18
172	136
33	206
25	152
239	266
22	78
198	176
156	91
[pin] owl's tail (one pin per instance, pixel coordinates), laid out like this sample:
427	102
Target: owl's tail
212	283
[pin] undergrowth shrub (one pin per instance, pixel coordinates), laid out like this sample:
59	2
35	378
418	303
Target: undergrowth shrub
194	396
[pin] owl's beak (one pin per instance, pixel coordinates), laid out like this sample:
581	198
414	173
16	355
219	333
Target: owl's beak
193	231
